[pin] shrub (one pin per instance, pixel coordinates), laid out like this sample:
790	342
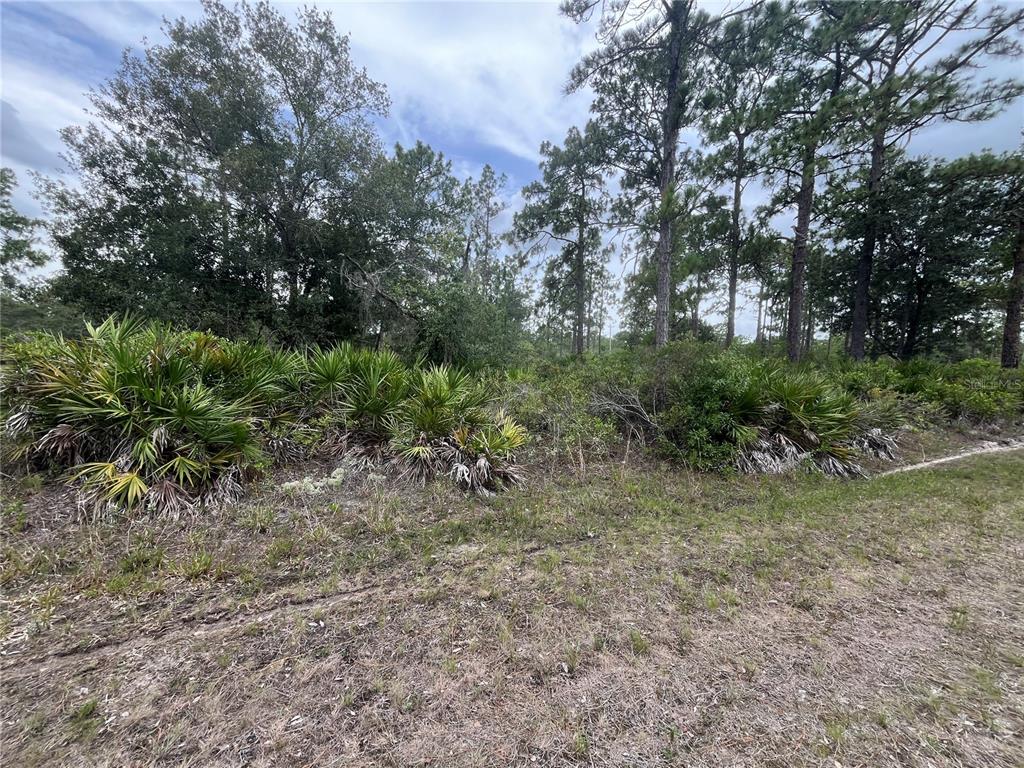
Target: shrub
973	390
701	406
129	411
143	415
788	414
978	390
727	409
698	423
372	397
863	379
556	403
441	400
443	427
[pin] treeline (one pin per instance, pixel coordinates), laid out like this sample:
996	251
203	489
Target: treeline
234	179
816	100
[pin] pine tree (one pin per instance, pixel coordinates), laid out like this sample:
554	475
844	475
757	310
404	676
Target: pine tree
564	207
645	81
904	83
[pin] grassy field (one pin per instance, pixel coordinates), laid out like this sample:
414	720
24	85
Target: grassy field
626	616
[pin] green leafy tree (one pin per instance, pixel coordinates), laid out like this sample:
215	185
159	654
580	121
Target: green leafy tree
700	249
26	305
1010	353
19	252
470	305
206	177
399	232
484	204
945	252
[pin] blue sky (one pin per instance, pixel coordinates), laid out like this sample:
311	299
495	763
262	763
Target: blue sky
482	82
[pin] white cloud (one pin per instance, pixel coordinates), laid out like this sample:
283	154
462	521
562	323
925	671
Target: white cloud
46	101
489	74
125	23
478	78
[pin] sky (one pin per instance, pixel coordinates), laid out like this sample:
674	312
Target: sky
483	82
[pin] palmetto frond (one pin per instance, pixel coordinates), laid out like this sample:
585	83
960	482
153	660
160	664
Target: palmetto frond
142	414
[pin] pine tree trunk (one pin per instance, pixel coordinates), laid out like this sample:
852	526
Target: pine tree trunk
798	266
876	334
1010	357
809	328
862	289
695	310
465	259
914	307
734	242
590	321
759	334
671	120
581	290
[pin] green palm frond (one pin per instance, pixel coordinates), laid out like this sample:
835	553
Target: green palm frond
141	413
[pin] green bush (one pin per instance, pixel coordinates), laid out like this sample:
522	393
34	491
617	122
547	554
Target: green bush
134	415
726	409
861	380
555	403
699	422
977	390
711	409
973	390
695	404
144	415
443	426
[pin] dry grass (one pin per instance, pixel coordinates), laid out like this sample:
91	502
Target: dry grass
631	617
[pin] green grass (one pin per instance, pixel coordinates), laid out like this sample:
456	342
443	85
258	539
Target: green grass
85	719
198	566
639	644
959	618
142	559
756	526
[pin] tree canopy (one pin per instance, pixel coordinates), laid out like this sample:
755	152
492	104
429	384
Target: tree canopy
232	177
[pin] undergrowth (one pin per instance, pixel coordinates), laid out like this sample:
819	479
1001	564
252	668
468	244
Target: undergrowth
142	415
712	409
